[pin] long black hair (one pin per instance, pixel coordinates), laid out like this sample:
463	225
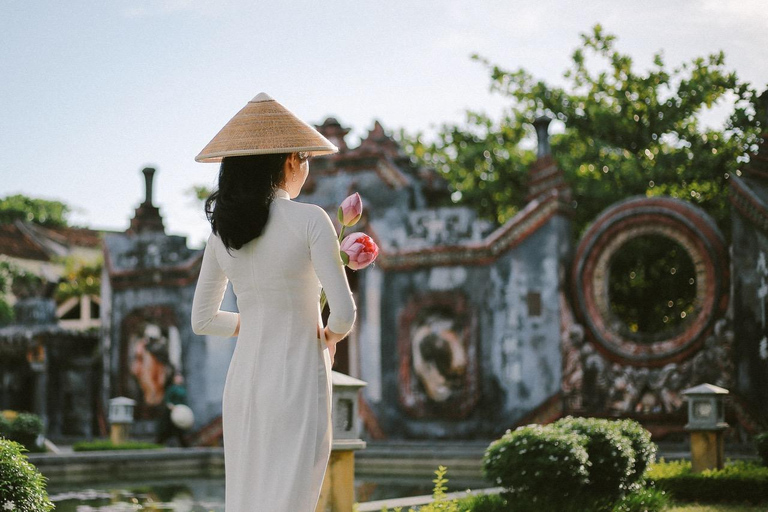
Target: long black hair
239	209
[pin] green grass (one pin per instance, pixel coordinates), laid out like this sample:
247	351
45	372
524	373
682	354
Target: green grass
106	444
695	507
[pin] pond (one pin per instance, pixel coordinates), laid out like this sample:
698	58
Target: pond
207	494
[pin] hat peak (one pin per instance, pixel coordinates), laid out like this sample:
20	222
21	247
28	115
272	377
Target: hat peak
262	96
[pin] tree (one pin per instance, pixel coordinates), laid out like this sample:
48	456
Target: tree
626	133
39	211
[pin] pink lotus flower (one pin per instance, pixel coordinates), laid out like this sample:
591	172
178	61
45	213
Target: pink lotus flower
358	250
351	210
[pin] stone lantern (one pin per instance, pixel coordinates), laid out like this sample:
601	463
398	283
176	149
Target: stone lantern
338	492
120	418
345	406
706	424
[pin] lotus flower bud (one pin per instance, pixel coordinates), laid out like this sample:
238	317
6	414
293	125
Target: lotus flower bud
351	210
358	250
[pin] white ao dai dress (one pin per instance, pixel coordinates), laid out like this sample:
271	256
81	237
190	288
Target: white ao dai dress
276	407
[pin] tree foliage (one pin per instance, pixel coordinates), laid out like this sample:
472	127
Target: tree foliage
39	211
627	132
80	278
7	271
16	280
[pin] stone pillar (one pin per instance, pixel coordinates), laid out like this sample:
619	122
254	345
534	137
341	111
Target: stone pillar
338	491
707	450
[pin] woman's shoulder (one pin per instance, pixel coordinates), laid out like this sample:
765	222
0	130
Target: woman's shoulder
213	238
306	218
309	211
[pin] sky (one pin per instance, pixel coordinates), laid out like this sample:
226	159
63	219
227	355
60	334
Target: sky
91	92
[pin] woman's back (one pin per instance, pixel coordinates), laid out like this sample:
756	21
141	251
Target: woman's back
285	266
274	271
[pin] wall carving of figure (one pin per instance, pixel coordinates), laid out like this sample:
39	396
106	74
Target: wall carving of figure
438	357
151	354
150	363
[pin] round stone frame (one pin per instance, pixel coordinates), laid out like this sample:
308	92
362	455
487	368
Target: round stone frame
678	220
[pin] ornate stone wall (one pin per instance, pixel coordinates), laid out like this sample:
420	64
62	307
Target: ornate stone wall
749	199
466	346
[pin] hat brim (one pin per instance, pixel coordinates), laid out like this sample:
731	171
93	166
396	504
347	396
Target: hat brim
262	127
217	157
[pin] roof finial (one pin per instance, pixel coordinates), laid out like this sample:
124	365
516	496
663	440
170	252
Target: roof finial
149	173
541	124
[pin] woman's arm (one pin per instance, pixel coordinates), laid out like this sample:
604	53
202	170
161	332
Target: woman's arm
207	318
324	251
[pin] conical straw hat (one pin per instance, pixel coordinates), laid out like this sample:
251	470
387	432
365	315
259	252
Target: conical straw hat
265	126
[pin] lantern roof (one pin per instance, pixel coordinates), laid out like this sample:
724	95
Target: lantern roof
706	389
121	400
340	379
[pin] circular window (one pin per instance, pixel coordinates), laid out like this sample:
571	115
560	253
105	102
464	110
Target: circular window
652	288
649	279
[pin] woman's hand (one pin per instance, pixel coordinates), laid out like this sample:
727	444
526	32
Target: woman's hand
331	339
331	336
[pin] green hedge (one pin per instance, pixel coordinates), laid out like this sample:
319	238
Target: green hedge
738	482
640	500
22	487
106	444
23	427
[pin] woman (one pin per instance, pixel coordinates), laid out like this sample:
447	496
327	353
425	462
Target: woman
276	408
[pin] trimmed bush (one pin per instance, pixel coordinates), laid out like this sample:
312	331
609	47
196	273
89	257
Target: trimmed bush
640	438
612	458
5	427
22	427
575	464
22	487
761	443
106	444
25	429
528	460
738	482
